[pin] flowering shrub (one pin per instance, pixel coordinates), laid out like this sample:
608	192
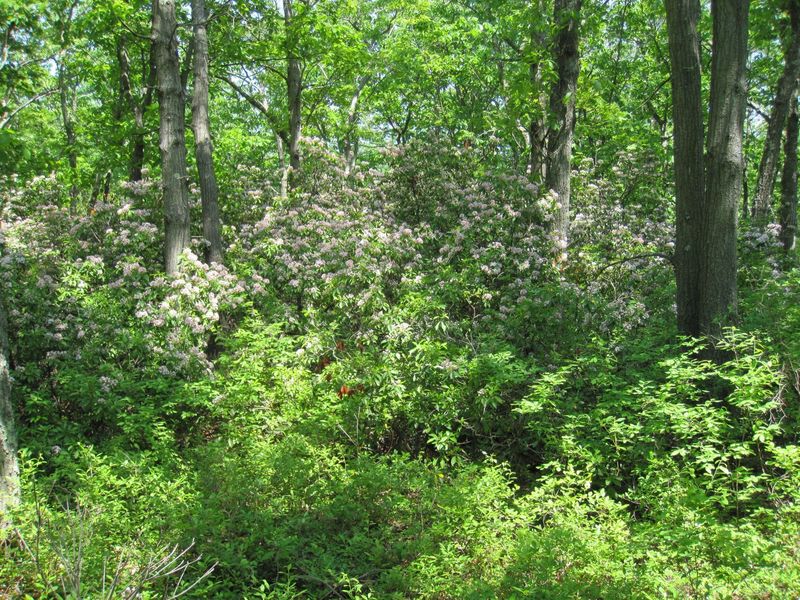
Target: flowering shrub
98	334
387	340
329	248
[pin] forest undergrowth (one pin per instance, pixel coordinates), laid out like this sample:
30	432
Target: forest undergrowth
394	388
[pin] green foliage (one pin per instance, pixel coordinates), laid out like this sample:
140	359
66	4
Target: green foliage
391	389
97	524
449	416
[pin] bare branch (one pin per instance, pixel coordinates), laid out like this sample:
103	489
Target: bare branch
127	27
8	118
759	111
259	105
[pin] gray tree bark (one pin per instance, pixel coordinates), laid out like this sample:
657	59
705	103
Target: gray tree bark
9	466
684	46
566	17
68	100
768	167
172	137
204	150
350	143
294	90
724	162
138	107
788	213
707	198
537	129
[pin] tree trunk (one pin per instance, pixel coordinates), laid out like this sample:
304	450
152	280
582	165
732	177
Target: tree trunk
724	162
67	117
186	68
137	108
566	17
768	167
294	89
537	129
295	120
745	191
707	200
106	185
137	158
537	136
202	138
9	466
684	46
789	180
283	166
68	99
95	191
351	137
172	138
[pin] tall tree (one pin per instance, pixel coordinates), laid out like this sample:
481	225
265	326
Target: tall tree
68	97
724	158
350	139
67	102
537	129
768	167
707	200
294	87
138	105
566	18
684	43
788	212
172	137
201	124
9	466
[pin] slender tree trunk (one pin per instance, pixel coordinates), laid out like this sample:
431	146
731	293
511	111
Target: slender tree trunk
172	138
724	161
294	90
98	180
202	138
537	163
137	157
745	191
295	119
684	46
127	94
537	129
186	68
9	466
789	180
283	166
566	17
707	199
137	108
351	138
106	185
768	167
67	97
